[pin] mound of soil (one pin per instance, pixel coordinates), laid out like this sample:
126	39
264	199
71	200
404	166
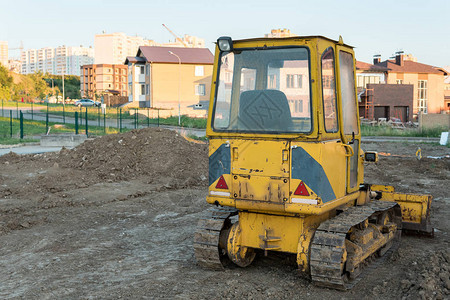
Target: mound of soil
156	153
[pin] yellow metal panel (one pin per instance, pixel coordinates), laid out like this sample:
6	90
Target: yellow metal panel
279	233
261	188
331	156
260	158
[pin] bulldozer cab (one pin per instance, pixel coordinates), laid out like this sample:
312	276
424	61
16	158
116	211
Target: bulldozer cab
287	109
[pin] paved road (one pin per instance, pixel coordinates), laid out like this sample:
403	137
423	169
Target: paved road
28	149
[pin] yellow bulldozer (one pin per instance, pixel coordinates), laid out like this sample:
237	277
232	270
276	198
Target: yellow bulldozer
286	169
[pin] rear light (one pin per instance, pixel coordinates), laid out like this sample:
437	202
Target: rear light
221	184
301	190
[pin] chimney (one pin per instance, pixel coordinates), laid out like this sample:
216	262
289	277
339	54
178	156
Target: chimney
376	59
399	58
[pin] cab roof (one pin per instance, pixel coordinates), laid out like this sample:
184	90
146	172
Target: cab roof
308	37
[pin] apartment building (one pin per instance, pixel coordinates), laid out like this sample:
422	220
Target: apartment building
279	33
15	65
113	48
159	77
56	61
4	53
98	79
188	41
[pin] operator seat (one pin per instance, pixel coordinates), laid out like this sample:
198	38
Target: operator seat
264	110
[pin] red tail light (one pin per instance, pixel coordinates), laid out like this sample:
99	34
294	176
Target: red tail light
221	184
301	190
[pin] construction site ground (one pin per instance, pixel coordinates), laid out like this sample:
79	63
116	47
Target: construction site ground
115	218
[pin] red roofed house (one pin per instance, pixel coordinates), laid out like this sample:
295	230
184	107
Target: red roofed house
157	75
380	100
428	82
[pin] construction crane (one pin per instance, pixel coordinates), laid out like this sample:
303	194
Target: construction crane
176	37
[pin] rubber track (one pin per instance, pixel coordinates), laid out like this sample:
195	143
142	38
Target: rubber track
328	245
206	238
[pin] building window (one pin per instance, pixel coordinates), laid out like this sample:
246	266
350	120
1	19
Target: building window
200	90
362	80
142	89
294	81
147	69
142	70
147	89
422	96
199	71
272	82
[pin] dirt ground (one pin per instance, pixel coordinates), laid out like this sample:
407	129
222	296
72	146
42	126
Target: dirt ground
115	217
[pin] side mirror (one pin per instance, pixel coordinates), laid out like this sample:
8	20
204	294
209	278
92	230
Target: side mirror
371	156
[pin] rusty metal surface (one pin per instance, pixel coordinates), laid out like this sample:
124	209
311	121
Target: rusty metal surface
328	253
207	237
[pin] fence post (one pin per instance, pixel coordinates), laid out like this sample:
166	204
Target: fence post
21	125
81	118
10	123
104	121
76	122
148	117
158	117
117	116
64	114
98	111
87	133
32	112
46	120
17	109
135	118
120	118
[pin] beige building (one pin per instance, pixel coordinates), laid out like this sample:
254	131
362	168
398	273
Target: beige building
4	53
156	78
447	89
113	48
428	82
99	79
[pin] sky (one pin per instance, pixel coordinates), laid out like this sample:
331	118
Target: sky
372	27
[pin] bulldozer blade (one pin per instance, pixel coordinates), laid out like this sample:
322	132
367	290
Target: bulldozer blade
415	209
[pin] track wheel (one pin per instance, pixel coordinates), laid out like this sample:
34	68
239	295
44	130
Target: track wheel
240	255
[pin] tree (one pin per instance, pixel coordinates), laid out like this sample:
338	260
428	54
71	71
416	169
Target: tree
6	83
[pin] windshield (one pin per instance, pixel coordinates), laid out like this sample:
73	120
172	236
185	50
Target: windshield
264	91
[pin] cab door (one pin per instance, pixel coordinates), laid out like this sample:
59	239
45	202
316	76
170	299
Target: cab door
349	120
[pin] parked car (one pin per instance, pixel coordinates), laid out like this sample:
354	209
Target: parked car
86	102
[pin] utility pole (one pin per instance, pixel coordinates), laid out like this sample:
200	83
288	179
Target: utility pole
64	99
179	87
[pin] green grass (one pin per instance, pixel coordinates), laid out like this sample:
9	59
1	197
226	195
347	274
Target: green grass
31	129
186	121
198	138
408	132
20	104
15	141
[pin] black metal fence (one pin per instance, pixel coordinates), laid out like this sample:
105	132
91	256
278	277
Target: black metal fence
23	120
